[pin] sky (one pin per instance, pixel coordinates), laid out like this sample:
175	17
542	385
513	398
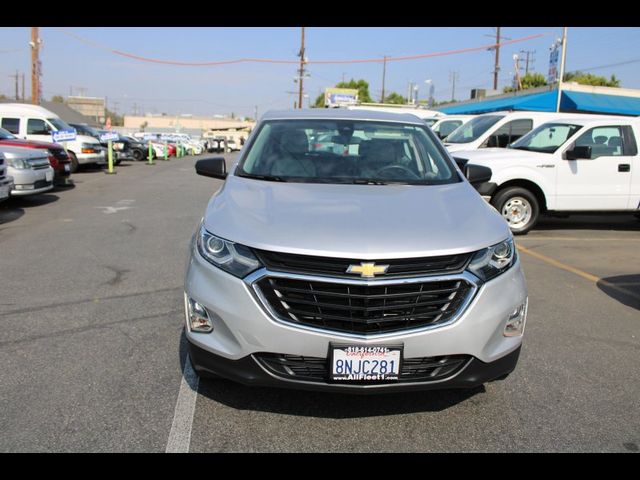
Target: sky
78	60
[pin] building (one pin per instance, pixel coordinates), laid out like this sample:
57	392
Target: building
91	107
574	98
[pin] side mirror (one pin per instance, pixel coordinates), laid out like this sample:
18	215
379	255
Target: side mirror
576	153
477	174
212	167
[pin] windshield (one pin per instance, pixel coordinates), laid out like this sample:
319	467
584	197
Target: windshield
546	138
86	130
6	135
473	129
346	151
59	124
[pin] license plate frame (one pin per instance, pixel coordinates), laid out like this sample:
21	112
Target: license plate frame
358	372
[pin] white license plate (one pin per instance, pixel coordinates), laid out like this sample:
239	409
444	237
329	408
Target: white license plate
357	363
4	191
67	168
48	176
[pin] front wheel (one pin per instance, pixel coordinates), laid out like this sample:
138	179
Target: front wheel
74	162
519	207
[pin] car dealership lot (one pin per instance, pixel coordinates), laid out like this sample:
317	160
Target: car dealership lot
92	347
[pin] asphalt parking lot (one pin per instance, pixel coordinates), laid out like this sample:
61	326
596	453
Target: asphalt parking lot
93	354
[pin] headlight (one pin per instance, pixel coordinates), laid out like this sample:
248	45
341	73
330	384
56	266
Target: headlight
230	257
491	262
18	163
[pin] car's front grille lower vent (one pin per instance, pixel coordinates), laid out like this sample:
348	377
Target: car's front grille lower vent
316	369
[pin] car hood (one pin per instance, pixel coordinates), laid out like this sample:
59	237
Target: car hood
493	156
354	221
11	152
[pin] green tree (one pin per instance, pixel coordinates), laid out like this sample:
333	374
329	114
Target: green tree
116	120
530	80
395	98
57	99
319	103
3	98
143	126
584	78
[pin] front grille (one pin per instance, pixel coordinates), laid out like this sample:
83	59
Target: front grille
288	262
315	369
364	309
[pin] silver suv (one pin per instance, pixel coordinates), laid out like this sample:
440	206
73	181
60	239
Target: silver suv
370	266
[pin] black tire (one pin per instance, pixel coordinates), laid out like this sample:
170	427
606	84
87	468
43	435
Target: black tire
138	156
74	162
519	207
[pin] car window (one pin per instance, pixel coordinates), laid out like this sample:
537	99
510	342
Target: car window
445	127
36	126
346	151
11	124
604	141
509	132
546	138
473	129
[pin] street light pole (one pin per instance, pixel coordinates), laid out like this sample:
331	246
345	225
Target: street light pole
562	62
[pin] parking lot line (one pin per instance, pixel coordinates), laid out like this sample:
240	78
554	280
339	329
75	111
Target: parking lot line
180	434
577	271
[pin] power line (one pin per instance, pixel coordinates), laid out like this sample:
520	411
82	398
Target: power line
290	62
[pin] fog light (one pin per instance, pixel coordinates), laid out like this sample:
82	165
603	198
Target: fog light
516	321
198	318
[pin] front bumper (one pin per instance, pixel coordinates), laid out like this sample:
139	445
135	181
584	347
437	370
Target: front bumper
31	182
6	186
249	371
244	328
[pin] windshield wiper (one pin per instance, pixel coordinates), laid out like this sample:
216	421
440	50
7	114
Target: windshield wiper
269	178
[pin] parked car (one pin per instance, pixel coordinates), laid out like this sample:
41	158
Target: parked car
32	122
58	158
85	129
569	165
131	148
232	146
430	117
379	270
30	168
6	182
444	126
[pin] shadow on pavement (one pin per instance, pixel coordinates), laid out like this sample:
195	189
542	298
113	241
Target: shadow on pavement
9	213
324	405
30	201
590	222
623	288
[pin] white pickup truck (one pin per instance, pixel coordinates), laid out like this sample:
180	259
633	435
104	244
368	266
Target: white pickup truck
567	165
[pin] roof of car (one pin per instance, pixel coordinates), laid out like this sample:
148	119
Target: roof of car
340	114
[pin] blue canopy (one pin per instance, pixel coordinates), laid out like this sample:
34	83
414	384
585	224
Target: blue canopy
546	102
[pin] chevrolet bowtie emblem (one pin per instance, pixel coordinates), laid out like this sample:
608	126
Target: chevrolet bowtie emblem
368	269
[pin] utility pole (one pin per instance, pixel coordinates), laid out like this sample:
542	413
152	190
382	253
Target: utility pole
16	77
301	77
528	53
384	72
409	93
35	66
497	64
562	62
22	96
453	76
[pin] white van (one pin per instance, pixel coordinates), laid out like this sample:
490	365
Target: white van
33	122
497	129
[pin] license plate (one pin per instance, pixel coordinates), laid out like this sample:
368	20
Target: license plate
4	191
371	363
48	176
66	167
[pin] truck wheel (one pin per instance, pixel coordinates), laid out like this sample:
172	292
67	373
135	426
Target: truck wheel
519	207
74	162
